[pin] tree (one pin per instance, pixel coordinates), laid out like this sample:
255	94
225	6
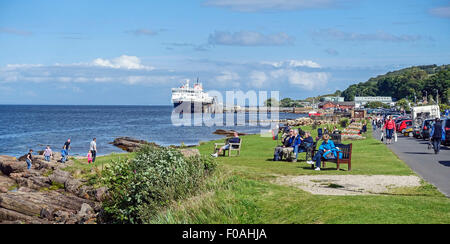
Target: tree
287	102
271	102
406	83
403	104
374	105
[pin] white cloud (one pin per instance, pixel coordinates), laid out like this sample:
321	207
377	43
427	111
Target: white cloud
284	75
294	64
15	66
305	80
271	5
122	62
227	76
249	38
258	79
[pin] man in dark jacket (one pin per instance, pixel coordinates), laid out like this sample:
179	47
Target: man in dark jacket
287	142
437	135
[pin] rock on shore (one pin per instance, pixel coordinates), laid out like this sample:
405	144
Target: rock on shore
45	194
228	132
130	144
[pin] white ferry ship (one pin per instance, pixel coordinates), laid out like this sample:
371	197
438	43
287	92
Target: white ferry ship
193	95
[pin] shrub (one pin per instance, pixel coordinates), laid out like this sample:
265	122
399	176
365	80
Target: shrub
344	122
140	187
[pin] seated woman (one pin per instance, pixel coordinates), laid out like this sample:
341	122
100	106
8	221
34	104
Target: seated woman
303	144
327	151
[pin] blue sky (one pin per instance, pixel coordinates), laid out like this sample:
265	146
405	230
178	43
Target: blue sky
133	52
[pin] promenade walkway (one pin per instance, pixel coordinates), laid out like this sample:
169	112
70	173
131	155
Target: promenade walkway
433	168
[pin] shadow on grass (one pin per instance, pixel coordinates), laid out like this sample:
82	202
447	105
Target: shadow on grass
321	169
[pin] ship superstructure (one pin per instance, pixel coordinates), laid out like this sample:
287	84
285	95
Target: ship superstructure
191	95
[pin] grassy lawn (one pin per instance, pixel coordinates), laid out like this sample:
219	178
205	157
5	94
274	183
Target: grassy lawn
241	190
369	157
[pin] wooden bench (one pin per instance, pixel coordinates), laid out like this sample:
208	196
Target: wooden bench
233	147
346	157
309	153
336	138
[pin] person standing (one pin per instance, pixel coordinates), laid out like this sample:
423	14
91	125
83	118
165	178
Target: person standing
89	157
437	135
48	153
390	128
29	159
93	149
65	151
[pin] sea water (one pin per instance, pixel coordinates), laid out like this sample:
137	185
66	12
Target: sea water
24	127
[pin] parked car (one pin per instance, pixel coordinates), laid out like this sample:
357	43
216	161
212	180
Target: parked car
403	125
408	131
426	128
446	125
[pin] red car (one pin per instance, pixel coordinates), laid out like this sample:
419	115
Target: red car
404	124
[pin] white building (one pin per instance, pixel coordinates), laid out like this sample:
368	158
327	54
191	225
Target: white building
361	101
333	99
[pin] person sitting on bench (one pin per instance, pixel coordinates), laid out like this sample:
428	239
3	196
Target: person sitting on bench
327	151
305	142
296	140
234	139
287	142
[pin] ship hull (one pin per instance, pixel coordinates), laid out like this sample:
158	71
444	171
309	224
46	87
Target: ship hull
196	107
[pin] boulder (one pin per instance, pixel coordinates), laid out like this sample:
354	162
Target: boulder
12	166
34	182
13	217
46	213
32	203
7	158
59	176
227	132
86	212
6	183
100	193
85	192
190	152
61	216
72	185
130	144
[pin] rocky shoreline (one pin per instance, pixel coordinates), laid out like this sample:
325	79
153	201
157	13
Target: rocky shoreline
45	194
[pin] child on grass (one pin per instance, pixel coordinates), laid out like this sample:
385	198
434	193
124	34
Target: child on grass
89	157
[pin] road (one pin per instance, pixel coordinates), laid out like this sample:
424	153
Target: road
431	167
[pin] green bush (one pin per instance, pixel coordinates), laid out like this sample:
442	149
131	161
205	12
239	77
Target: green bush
344	122
141	187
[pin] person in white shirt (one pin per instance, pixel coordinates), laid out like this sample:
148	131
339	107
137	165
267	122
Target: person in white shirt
93	149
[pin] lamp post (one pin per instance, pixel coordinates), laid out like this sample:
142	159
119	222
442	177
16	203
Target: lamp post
437	96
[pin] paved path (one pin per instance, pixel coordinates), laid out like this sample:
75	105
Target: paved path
433	168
